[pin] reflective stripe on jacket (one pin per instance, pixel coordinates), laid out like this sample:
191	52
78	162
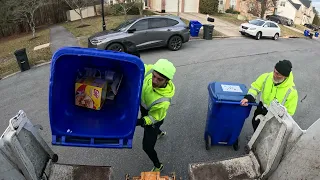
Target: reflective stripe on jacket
155	100
285	93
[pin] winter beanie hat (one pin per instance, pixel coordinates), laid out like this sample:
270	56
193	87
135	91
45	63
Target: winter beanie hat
284	67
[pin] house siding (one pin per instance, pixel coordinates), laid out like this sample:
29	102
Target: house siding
288	10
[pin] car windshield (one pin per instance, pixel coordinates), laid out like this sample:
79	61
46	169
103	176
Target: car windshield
124	25
257	22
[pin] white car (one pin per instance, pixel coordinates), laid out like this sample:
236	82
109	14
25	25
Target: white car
260	28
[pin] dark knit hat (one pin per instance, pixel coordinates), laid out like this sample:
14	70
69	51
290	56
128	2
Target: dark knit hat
284	67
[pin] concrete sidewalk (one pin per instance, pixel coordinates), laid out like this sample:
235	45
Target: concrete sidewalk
223	27
60	37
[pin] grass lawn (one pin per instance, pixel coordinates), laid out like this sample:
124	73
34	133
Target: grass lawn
289	32
300	27
232	18
8	63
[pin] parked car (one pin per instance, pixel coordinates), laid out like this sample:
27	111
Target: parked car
280	20
145	33
260	28
312	27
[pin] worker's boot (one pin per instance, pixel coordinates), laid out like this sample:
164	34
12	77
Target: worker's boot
163	133
155	169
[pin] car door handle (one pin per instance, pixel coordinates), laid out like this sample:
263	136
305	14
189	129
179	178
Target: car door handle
168	29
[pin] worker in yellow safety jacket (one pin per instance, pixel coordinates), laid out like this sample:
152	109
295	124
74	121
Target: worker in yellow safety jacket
157	91
274	85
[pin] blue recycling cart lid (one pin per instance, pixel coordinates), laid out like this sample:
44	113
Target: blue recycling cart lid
227	91
112	126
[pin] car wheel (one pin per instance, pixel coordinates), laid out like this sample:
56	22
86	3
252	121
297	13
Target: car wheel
258	36
242	33
276	36
116	47
279	22
175	43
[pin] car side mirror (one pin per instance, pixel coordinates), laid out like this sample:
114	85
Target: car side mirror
132	30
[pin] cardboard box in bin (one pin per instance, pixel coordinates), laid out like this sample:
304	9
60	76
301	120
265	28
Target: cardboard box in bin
91	92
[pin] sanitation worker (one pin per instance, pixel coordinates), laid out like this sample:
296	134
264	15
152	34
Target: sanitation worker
157	91
273	85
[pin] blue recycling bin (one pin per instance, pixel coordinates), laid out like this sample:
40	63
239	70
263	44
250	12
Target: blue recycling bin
225	117
306	33
316	34
114	124
194	27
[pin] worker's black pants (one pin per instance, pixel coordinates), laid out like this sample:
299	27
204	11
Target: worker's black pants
260	110
150	138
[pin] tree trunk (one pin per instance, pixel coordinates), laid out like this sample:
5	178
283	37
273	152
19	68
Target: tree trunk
81	16
263	8
141	8
32	25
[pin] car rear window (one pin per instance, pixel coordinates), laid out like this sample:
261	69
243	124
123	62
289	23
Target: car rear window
158	23
172	22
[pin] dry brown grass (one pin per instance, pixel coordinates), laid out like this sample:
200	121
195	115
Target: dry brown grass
8	63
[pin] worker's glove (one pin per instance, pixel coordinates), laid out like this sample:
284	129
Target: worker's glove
263	110
250	98
141	122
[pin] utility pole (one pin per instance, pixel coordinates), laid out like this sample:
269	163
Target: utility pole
102	14
178	8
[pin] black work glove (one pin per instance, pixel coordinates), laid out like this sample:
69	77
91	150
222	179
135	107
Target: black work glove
263	110
141	122
250	98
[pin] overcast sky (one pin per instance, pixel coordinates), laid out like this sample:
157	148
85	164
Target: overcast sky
316	4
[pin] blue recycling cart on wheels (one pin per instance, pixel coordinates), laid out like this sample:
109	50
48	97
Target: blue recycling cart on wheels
112	126
225	117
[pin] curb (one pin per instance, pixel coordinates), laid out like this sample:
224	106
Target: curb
36	66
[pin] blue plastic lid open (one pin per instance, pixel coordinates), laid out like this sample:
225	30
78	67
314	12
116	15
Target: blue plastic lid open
114	124
227	91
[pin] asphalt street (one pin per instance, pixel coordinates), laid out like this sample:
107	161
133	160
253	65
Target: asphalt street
198	63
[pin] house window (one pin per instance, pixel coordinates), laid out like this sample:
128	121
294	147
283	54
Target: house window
283	3
221	2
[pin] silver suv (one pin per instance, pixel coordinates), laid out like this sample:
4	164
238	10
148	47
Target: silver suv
145	33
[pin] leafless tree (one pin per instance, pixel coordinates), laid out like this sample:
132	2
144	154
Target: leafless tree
78	6
266	5
126	5
24	11
140	5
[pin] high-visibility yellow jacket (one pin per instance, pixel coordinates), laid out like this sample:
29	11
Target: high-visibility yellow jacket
285	93
155	100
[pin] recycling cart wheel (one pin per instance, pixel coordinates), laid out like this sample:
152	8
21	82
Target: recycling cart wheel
208	142
236	146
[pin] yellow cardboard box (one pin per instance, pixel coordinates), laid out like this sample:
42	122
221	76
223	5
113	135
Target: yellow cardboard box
90	92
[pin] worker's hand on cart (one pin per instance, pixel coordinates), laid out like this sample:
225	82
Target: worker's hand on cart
244	102
141	122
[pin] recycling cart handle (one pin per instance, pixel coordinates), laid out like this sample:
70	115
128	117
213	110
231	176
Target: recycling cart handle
236	102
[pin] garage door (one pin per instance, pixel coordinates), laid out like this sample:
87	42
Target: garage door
191	6
172	5
156	4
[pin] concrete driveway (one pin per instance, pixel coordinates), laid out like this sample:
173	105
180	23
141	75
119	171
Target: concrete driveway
198	63
226	28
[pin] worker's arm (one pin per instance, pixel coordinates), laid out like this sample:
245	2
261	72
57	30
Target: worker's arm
257	85
147	68
157	113
292	102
